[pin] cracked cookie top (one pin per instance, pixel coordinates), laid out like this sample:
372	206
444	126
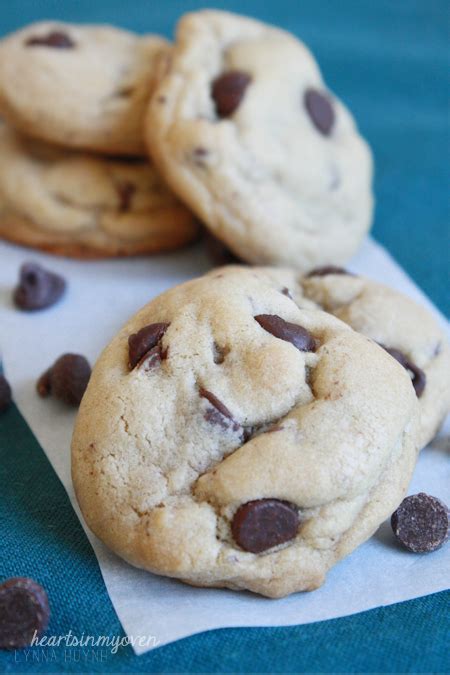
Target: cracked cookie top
229	437
247	133
84	87
79	204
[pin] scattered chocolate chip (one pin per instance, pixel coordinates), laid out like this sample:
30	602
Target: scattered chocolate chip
5	394
125	192
228	91
291	332
418	377
421	523
326	270
218	252
38	288
287	292
66	380
219	413
320	110
24	610
143	341
263	523
55	38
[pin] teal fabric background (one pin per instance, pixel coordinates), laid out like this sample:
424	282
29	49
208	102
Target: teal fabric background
389	61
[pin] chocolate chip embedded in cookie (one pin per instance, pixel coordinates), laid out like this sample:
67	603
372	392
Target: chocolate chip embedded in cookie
228	91
24	612
38	288
418	377
263	448
84	87
263	524
320	110
54	39
66	380
142	344
421	523
297	335
245	131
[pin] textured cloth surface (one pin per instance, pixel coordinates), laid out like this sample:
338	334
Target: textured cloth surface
389	62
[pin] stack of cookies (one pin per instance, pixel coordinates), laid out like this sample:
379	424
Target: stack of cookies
250	428
235	116
75	178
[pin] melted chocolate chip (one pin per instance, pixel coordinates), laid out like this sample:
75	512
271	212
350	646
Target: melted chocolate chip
421	523
326	270
218	252
320	110
38	288
290	332
24	610
418	377
56	39
151	359
143	341
125	192
5	394
228	91
66	380
263	523
219	413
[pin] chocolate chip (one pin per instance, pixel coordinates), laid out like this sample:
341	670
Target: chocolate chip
285	291
125	192
418	377
326	270
55	38
219	353
421	523
263	523
5	394
291	332
219	413
24	610
151	359
199	156
38	288
228	91
66	380
219	253
143	341
320	110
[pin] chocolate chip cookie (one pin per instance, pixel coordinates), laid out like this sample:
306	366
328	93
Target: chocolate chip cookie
84	87
86	206
244	129
406	330
228	437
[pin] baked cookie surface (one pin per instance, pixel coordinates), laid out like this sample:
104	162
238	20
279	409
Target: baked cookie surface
86	206
230	438
407	330
244	130
84	87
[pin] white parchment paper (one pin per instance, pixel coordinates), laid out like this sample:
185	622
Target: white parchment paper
101	297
